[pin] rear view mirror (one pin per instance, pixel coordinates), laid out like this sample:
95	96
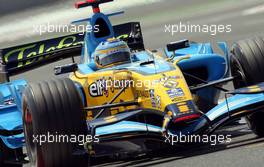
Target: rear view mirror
65	68
178	45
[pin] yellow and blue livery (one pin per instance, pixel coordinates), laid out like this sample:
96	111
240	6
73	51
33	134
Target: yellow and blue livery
169	91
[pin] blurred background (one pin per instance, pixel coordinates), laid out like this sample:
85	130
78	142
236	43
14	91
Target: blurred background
17	18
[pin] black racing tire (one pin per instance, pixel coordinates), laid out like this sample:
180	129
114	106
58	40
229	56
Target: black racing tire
53	108
247	64
7	154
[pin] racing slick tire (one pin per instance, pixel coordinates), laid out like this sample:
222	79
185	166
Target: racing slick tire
52	112
7	154
247	64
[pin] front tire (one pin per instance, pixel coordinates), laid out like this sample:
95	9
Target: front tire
247	64
51	109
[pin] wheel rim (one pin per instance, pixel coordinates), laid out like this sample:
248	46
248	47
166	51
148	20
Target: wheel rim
239	74
33	152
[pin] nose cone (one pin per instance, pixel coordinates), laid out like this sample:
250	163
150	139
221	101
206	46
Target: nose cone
183	111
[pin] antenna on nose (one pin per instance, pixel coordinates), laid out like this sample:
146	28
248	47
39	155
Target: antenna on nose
94	3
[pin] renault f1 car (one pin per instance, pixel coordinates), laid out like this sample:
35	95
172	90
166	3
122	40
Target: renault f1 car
186	78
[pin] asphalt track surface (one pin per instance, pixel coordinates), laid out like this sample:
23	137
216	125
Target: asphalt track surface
247	20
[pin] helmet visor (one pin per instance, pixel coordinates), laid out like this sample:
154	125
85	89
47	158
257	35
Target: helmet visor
114	58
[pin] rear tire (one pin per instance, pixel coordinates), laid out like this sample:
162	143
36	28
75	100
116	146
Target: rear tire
247	64
53	108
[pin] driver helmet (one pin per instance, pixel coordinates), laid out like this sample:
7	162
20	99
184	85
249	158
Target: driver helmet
112	52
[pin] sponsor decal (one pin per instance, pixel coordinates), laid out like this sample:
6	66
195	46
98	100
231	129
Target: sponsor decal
158	102
152	97
36	51
176	92
184	108
155	100
103	86
98	88
142	93
168	81
95	90
179	99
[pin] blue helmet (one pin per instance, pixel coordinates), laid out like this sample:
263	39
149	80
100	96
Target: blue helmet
112	52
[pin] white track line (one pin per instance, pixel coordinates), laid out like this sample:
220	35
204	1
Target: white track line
254	10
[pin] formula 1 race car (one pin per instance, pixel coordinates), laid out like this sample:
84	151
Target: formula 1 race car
121	91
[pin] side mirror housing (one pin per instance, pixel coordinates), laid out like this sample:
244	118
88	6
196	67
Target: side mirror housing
178	45
58	70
